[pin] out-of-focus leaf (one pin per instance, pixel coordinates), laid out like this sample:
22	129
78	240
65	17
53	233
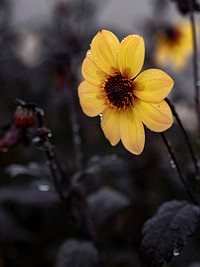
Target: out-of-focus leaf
165	234
108	170
194	264
32	169
76	253
122	257
105	203
10	231
39	193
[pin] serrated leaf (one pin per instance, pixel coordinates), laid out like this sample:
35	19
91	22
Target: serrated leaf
77	253
105	203
165	234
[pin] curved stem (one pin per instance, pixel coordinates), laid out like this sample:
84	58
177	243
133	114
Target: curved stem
53	168
180	174
85	223
188	143
195	64
74	122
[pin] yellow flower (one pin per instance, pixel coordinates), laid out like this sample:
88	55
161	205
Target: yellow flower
173	45
125	99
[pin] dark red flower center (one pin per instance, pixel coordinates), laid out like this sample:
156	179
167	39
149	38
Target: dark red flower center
173	34
119	91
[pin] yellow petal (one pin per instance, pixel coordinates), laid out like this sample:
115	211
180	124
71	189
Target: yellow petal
110	125
104	49
156	116
90	99
179	61
162	52
91	72
132	131
152	85
174	53
131	56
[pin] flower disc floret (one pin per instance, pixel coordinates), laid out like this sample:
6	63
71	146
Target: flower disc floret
119	91
126	99
173	45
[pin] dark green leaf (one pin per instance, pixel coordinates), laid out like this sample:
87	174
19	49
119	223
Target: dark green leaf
76	253
165	234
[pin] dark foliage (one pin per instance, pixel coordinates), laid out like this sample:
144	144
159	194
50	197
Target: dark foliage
105	203
39	193
77	253
68	198
11	231
165	234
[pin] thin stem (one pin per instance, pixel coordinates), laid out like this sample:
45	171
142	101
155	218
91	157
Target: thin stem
187	140
53	168
195	64
180	174
74	122
85	223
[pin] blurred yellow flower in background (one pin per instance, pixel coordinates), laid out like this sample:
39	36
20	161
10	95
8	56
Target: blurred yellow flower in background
173	45
125	99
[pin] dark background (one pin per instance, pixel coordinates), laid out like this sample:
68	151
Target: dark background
40	62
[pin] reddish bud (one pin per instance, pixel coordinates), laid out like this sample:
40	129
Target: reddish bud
24	117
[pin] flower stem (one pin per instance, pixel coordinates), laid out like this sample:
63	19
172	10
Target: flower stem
187	140
195	64
74	121
53	168
83	221
180	174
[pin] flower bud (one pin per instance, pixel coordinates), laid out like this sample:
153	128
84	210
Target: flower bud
24	117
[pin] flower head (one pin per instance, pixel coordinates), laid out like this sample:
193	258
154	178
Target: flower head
173	45
24	117
125	99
